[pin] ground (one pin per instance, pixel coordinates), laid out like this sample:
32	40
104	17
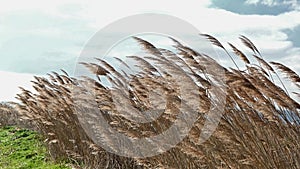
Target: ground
24	149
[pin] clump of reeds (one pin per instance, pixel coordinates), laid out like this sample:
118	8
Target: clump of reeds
10	117
259	127
7	115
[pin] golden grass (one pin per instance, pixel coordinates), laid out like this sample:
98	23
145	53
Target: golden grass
259	127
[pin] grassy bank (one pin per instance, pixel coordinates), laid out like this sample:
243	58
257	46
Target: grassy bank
24	149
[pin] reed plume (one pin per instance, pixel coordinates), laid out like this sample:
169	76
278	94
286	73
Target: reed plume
259	127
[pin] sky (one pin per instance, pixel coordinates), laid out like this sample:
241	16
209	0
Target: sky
39	37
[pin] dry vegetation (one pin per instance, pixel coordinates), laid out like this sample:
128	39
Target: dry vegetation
259	127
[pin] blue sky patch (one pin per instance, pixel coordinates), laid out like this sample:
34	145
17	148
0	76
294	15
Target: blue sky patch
293	35
243	8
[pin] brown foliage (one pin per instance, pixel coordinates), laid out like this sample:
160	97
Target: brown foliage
259	127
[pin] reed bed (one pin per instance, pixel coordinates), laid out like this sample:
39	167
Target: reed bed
259	127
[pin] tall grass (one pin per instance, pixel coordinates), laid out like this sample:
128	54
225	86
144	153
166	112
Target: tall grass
259	127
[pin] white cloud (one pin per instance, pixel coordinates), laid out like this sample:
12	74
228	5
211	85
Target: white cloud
91	16
294	4
10	83
98	14
264	2
252	1
265	29
269	2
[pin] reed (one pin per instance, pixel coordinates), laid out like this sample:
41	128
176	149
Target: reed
259	127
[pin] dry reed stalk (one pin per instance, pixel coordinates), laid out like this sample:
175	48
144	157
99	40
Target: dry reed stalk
259	127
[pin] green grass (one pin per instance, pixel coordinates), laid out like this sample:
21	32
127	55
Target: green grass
24	149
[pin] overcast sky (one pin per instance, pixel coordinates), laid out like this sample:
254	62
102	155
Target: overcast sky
37	37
